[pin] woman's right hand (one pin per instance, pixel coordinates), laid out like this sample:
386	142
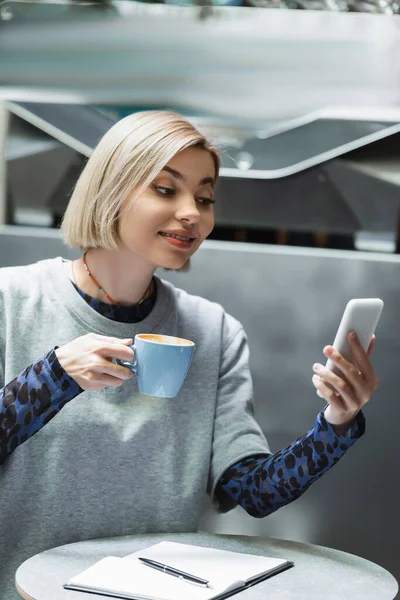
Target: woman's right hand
88	360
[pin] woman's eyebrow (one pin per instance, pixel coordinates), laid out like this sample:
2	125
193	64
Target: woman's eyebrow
179	176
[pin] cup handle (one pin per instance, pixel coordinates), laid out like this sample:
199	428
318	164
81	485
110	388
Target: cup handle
128	365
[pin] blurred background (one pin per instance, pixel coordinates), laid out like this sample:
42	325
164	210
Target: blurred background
303	99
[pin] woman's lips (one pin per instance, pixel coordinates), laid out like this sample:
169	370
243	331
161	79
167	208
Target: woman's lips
176	242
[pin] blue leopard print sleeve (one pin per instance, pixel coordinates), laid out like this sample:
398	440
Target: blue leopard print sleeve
32	399
35	396
262	484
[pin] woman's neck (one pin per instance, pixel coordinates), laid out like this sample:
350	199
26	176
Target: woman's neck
124	276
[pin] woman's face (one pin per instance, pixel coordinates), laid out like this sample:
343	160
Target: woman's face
169	220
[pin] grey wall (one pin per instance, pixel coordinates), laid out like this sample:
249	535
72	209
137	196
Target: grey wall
290	301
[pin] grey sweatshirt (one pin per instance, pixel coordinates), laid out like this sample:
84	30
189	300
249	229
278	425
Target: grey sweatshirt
114	462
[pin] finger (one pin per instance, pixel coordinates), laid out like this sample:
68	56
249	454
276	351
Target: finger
116	351
317	368
371	345
329	394
361	360
347	381
346	367
113	370
350	370
351	395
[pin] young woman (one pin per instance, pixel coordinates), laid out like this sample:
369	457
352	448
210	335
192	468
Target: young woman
83	454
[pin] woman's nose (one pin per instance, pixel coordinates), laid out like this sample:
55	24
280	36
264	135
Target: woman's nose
188	211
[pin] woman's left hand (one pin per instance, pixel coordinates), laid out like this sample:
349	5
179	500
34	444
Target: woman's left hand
349	391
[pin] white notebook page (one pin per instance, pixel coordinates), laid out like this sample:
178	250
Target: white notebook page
131	578
221	567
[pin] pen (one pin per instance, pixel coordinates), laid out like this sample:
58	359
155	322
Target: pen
175	572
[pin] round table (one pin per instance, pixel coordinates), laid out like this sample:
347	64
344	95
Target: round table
319	572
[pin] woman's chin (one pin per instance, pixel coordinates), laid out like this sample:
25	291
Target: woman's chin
173	265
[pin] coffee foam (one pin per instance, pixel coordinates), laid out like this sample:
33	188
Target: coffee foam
164	339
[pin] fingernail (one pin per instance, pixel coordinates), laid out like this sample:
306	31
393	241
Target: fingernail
317	367
352	335
316	379
328	351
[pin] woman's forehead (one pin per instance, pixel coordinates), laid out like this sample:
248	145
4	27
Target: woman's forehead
191	162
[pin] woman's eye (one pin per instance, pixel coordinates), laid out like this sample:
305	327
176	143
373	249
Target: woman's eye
164	191
206	201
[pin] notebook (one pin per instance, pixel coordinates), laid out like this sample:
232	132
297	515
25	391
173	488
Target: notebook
128	578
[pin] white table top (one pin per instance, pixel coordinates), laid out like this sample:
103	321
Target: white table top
319	572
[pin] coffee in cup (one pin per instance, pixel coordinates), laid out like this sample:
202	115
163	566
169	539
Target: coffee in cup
161	363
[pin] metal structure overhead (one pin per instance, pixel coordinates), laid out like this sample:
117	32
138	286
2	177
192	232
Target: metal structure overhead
293	98
252	65
246	153
321	175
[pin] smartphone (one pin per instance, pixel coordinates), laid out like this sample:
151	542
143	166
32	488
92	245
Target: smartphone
360	315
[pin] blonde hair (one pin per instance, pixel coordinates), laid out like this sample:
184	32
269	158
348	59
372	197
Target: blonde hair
128	158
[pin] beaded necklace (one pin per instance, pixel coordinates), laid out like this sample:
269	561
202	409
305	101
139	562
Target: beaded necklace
99	287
